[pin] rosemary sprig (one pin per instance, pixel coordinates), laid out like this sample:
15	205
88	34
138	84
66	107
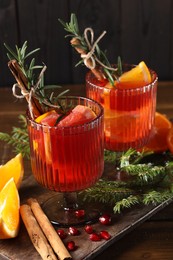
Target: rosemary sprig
21	55
35	81
73	31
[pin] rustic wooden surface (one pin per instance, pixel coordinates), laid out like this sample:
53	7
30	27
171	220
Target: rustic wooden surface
135	234
136	30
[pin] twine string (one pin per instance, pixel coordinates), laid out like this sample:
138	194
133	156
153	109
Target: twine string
92	46
24	93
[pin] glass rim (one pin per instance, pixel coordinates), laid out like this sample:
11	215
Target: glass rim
101	113
152	83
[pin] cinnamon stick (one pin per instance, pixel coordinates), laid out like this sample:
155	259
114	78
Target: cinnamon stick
49	231
98	74
23	84
36	235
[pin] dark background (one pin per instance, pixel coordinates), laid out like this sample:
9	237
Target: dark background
136	30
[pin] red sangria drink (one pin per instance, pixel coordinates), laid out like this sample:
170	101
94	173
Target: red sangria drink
67	150
127	92
129	106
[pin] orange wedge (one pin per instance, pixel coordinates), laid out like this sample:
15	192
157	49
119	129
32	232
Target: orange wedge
170	139
137	77
9	210
13	168
158	141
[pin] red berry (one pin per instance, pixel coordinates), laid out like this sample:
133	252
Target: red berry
95	237
71	246
61	233
80	213
105	219
88	229
73	231
105	235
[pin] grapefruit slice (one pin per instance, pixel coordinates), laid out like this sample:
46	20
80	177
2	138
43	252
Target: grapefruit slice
77	116
48	118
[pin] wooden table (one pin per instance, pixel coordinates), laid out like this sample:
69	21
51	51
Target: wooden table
152	239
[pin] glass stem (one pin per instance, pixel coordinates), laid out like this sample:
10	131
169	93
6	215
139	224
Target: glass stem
70	201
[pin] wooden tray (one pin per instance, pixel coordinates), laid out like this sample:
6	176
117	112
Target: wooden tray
21	247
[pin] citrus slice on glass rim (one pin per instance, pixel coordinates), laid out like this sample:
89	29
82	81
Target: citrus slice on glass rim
138	76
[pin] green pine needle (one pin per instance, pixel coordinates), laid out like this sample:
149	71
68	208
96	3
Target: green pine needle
147	184
18	138
126	203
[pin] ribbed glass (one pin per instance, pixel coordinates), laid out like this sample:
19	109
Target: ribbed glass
68	158
128	113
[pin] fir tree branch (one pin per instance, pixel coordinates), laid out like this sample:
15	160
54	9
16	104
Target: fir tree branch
126	203
148	183
18	138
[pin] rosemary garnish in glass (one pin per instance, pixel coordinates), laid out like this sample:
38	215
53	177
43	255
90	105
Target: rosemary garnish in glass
33	83
84	46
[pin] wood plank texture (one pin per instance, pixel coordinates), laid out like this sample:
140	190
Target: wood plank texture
136	30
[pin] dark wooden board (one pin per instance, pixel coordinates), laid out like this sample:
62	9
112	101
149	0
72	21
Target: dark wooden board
122	224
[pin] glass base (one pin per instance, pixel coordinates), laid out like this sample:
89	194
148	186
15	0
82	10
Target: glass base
59	214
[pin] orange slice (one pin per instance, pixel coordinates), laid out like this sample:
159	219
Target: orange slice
9	210
170	139
137	77
158	141
13	168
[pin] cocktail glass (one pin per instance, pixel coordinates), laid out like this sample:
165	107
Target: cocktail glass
128	113
66	160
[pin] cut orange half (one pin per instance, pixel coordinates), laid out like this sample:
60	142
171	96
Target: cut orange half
158	141
13	168
170	139
9	210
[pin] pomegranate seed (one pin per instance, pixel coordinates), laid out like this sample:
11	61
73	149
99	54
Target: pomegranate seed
95	237
105	219
105	235
80	213
71	246
73	231
88	229
61	233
